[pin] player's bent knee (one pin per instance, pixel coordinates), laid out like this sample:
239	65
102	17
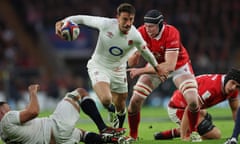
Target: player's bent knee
205	126
82	92
106	102
136	104
193	106
217	133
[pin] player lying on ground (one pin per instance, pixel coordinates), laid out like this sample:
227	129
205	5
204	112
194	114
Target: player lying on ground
213	89
24	126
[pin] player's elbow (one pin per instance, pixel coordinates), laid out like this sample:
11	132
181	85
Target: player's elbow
33	112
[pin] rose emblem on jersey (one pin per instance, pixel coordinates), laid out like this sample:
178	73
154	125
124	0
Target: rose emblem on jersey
130	42
143	47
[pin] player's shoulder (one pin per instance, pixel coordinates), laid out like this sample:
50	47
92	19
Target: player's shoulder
211	77
107	22
11	116
110	20
134	31
141	28
12	113
170	28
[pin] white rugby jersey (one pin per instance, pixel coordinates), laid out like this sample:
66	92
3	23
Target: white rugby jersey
36	131
113	47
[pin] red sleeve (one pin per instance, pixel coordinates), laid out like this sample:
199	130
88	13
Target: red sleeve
173	38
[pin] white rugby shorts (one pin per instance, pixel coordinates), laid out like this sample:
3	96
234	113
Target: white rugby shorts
117	77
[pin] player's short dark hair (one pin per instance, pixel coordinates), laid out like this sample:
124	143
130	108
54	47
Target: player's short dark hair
126	7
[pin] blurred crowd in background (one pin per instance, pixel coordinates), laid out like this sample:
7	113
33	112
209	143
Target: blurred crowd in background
209	31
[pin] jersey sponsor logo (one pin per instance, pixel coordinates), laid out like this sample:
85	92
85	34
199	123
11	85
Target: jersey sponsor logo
109	34
116	51
206	95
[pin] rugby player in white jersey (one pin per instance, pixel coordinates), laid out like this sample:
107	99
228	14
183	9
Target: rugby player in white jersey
118	39
24	127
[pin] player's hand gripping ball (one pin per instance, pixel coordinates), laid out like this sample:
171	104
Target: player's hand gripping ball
70	31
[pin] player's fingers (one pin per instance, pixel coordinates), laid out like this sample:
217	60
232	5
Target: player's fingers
37	86
58	27
34	87
163	78
129	69
132	76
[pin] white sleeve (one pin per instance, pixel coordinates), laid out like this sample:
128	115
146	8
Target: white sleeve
91	21
145	52
148	56
12	117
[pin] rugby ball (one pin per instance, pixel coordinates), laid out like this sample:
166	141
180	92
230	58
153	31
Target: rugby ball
70	31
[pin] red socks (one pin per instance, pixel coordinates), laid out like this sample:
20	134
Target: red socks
193	117
133	122
168	134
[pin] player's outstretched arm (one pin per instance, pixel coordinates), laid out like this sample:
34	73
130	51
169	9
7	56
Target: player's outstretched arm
32	109
234	104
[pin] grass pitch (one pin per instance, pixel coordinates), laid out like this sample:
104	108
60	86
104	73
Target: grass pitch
156	119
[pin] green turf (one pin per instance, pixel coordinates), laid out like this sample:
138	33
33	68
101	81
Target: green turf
156	119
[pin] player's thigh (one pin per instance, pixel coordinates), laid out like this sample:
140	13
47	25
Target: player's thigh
207	129
151	80
100	80
182	74
144	87
118	82
99	74
65	113
102	89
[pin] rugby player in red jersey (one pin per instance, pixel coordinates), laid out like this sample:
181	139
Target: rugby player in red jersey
164	41
213	89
